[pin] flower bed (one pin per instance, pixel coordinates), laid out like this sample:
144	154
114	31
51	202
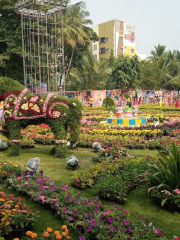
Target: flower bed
90	218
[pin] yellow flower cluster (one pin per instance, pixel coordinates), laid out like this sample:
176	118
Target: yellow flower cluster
124	132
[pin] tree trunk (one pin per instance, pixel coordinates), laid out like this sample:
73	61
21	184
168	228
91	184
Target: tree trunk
67	73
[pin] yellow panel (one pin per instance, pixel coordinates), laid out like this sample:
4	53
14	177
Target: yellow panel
127	51
114	121
138	121
126	121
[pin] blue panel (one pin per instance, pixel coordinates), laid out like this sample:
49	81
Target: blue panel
119	121
109	120
132	121
143	120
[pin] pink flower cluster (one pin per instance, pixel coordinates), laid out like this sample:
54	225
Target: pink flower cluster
176	191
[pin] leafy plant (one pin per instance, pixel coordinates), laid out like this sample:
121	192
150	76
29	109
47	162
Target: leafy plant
108	103
164	174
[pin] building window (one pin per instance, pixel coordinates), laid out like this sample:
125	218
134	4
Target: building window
121	39
95	57
131	50
102	50
95	47
104	40
132	40
121	50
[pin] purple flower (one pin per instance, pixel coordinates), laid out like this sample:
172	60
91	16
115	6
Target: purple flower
140	216
74	212
126	222
41	173
154	229
41	187
74	200
89	229
126	211
85	202
38	179
52	182
82	238
92	222
96	210
64	210
110	220
111	227
118	208
129	229
96	204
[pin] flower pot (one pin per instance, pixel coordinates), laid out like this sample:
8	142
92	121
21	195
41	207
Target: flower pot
118	114
18	233
152	147
29	227
158	147
131	147
8	236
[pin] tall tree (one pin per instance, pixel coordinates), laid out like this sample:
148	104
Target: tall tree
127	72
11	64
92	74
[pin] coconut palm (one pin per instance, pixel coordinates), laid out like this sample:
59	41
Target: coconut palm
93	74
75	29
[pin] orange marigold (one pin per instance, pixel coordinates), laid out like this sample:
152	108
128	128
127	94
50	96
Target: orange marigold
16	239
34	235
58	236
64	234
56	233
49	229
46	234
64	227
29	233
68	237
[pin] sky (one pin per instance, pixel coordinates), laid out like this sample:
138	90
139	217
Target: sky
156	21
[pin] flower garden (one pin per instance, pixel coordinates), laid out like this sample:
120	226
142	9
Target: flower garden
129	190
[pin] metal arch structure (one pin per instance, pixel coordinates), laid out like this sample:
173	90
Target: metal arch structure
42	43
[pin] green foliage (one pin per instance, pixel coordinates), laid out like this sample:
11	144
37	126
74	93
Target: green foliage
162	69
71	114
11	63
9	84
164	174
92	74
127	72
108	103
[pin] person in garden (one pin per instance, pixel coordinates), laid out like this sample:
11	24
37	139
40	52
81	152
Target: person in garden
146	100
1	110
100	102
90	101
177	102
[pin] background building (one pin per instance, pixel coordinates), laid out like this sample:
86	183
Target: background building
114	35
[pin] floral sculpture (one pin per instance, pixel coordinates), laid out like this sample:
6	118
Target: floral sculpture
22	108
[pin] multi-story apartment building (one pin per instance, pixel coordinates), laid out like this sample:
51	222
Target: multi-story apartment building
114	35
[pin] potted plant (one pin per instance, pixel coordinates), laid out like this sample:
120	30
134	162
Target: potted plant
18	224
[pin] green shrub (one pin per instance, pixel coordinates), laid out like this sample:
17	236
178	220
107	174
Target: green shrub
108	103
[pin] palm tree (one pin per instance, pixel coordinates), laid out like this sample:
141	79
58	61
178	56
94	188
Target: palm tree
75	28
93	74
159	51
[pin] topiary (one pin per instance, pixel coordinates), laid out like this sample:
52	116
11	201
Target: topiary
108	104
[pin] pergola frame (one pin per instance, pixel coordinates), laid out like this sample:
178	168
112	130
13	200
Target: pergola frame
42	43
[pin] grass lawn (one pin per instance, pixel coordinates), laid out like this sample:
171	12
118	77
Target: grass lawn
137	201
